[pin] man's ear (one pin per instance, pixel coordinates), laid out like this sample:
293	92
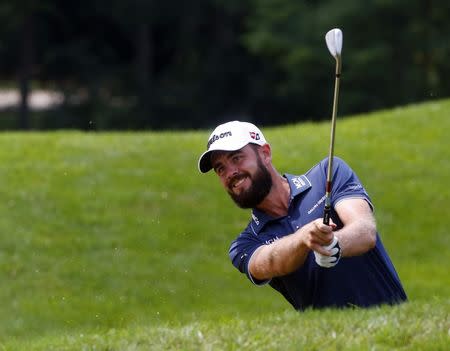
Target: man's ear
266	153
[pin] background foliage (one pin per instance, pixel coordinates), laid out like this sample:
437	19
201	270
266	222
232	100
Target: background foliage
177	64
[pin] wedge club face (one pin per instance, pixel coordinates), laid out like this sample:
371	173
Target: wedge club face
334	39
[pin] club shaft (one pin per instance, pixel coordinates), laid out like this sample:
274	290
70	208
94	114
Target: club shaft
327	208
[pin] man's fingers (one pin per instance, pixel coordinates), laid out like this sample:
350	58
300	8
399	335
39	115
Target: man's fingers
317	234
320	249
318	240
323	228
331	258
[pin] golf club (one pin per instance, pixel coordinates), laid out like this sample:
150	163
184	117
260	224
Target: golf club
334	43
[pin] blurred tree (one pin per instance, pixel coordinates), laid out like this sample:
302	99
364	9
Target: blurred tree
393	51
26	61
18	26
177	64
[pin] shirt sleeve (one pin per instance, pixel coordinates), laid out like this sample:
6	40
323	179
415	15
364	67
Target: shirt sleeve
346	184
241	251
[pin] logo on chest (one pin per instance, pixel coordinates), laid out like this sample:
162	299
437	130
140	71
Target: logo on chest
317	204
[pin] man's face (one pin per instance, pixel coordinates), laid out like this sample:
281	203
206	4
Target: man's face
243	174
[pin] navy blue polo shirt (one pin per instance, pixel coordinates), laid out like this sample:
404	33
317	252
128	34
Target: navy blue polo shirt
366	280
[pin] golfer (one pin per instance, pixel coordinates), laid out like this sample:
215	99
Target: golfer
286	244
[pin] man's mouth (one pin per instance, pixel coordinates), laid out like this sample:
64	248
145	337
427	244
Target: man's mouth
237	182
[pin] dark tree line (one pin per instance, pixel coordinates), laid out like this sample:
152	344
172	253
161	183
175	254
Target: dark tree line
189	64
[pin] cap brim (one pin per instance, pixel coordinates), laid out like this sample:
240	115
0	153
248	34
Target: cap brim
204	162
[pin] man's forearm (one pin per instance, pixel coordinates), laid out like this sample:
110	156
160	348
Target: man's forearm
279	258
357	237
359	233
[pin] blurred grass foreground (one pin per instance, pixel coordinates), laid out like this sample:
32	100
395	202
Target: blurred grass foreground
114	241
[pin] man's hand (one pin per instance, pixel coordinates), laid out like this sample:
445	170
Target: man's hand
335	254
316	235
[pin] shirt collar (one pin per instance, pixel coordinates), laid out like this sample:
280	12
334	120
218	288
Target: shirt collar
297	184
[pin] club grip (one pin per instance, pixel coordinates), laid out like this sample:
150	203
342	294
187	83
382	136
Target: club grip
326	214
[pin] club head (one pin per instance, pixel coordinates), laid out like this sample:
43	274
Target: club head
334	39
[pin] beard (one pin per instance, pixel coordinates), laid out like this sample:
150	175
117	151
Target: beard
261	183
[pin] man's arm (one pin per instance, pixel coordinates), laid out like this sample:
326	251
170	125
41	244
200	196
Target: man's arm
357	236
287	254
359	233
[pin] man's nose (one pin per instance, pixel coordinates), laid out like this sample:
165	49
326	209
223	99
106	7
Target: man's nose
231	171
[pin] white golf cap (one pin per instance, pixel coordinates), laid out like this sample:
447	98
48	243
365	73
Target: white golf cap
230	136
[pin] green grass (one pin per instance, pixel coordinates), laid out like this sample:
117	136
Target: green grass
114	241
384	328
